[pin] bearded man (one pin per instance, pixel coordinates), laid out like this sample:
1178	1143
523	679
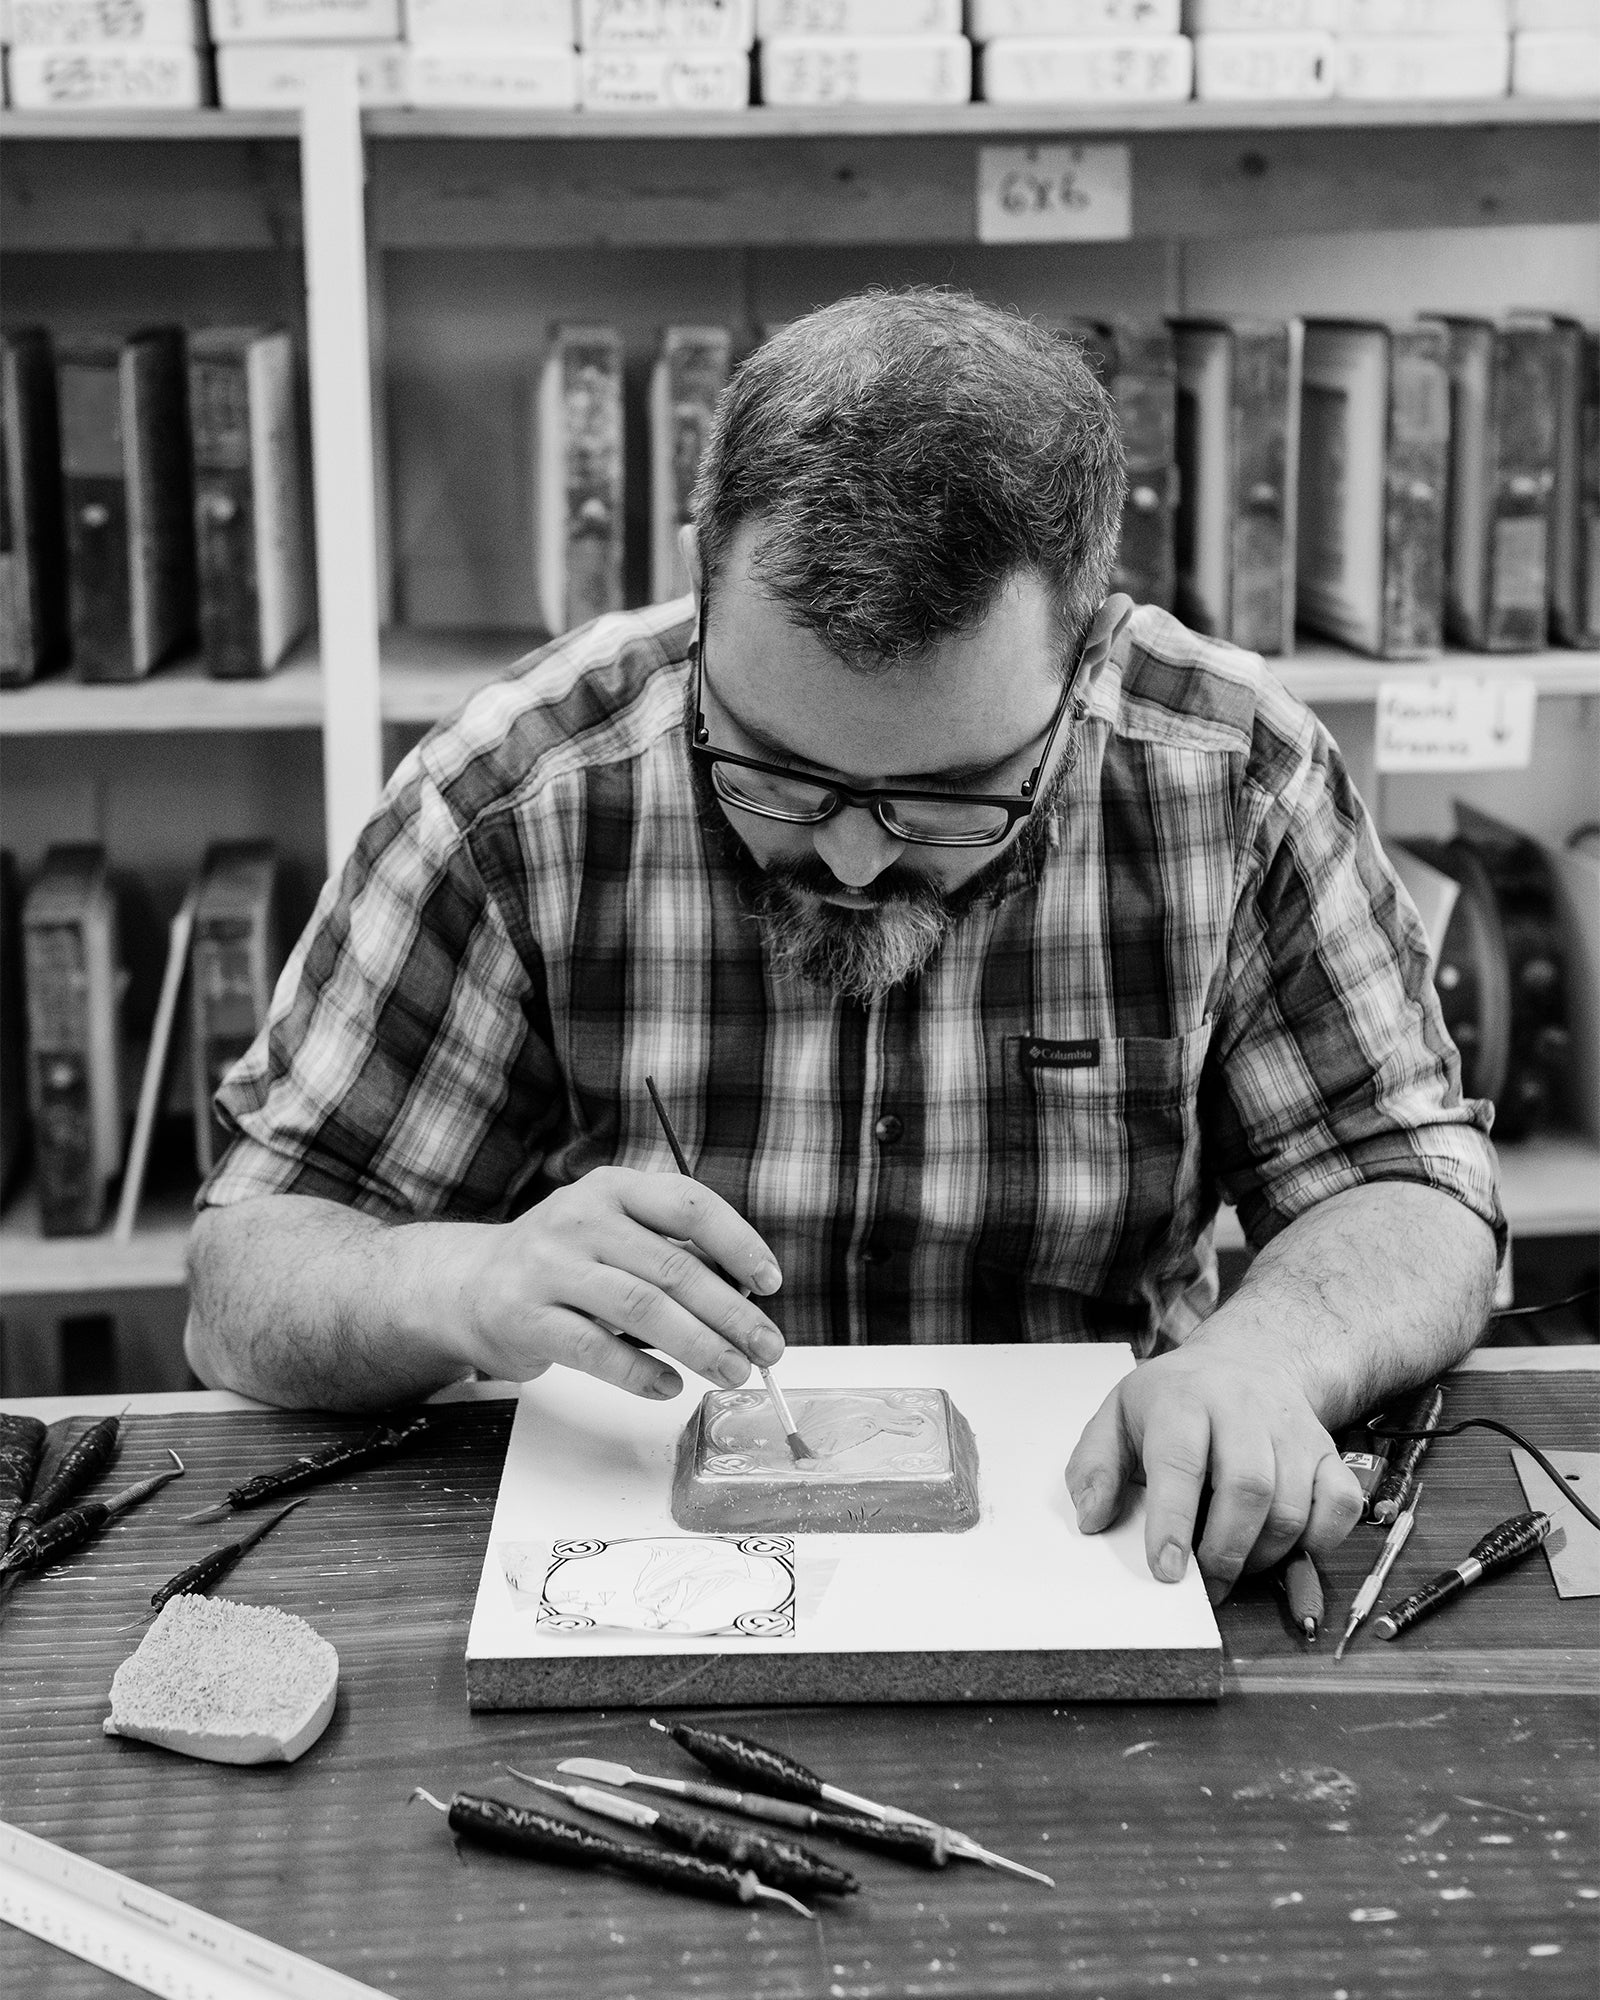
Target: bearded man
981	931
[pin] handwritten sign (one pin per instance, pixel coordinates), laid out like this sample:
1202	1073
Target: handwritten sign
1054	194
1456	722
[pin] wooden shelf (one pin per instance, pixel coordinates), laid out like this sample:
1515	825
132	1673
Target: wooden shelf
1326	673
182	698
1550	1186
761	121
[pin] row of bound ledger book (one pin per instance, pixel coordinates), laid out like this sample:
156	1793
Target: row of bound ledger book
87	1063
1387	485
722	55
153	501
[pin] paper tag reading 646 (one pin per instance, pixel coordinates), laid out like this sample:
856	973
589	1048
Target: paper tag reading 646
1456	722
1054	194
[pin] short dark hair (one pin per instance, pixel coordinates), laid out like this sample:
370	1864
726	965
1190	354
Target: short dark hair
907	452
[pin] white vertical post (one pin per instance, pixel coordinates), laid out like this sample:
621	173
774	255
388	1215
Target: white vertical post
333	198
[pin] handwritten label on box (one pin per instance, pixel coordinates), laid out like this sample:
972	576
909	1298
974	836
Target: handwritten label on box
1456	722
1054	194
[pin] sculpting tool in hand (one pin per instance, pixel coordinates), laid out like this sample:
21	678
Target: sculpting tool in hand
1367	1456
82	1462
928	1846
1367	1595
799	1450
542	1837
740	1757
1303	1588
783	1863
313	1468
1498	1550
1394	1489
69	1530
209	1570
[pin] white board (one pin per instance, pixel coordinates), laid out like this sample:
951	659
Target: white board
1020	1607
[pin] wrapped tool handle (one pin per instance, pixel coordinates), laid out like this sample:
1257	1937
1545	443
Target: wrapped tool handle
1498	1550
738	1757
783	1863
39	1547
311	1469
520	1830
82	1462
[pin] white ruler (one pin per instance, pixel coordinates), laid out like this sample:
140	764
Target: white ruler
149	1939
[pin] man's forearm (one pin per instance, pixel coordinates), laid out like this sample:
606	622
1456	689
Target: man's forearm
1376	1288
308	1303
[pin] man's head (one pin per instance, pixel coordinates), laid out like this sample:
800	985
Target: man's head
904	528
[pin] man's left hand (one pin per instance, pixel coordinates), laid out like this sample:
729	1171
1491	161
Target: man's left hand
1217	1414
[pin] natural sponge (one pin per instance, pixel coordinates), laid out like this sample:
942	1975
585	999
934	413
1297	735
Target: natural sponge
235	1683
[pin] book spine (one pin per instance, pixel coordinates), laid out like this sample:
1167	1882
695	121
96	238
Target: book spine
592	473
1589	502
1233	67
650	79
231	964
132	78
690	376
14	1123
1423	66
1260	596
1416	474
96	497
59	23
163	591
1566	515
69	957
1522	424
276	76
305	21
33	572
224	515
990	20
502	24
1144	69
1260	17
277	493
1140	373
1551	65
800	18
666	24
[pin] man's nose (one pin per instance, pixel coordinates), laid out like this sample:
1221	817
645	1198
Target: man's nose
856	846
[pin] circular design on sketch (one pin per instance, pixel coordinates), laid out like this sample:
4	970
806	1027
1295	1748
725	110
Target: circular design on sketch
565	1621
763	1624
589	1548
766	1545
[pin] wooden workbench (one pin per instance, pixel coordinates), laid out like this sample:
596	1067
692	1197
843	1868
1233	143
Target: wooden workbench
1420	1820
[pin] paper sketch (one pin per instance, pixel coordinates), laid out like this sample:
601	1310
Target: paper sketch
854	1433
694	1586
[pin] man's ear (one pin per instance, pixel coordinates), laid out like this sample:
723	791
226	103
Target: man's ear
1105	628
689	549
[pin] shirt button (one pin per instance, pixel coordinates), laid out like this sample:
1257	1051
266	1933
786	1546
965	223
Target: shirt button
888	1129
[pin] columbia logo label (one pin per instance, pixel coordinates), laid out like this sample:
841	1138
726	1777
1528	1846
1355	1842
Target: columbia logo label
1060	1055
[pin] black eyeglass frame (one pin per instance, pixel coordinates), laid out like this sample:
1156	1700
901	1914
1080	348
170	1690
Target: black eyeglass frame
878	800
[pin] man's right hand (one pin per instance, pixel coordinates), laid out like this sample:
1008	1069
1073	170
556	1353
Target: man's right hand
618	1253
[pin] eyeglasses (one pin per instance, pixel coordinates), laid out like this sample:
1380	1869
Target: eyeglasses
922	818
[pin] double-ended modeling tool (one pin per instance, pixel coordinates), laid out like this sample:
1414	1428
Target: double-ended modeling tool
741	1757
799	1450
1378	1575
337	1461
63	1533
1498	1550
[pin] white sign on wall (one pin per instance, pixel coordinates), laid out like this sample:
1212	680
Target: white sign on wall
1054	194
1456	722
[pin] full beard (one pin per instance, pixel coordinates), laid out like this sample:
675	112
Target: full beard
863	955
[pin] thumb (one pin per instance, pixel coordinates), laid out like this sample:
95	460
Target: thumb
1100	1466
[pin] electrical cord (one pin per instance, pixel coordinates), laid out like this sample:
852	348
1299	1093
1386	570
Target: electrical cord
1505	1430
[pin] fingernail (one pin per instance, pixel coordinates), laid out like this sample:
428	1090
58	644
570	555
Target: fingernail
733	1369
1171	1561
664	1387
766	1345
767	1277
1086	1499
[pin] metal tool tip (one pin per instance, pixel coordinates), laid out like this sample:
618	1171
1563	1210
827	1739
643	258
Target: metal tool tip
417	1792
217	1513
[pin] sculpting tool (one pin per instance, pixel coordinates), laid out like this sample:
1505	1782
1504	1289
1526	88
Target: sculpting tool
799	1450
1367	1595
739	1756
783	1863
199	1577
21	1448
1498	1550
312	1468
927	1846
1394	1490
1303	1588
83	1461
69	1530
541	1837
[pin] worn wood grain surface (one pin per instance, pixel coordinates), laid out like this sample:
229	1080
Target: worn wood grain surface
1420	1821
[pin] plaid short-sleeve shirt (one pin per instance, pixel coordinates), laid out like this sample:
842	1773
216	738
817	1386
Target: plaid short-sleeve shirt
1209	986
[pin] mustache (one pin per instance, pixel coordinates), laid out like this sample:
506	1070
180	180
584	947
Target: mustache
897	884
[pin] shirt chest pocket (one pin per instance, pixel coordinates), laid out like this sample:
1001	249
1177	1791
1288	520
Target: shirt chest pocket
1102	1155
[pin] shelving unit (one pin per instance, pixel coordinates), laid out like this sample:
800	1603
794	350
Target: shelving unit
410	185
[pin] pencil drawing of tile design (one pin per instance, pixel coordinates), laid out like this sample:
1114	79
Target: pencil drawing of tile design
884	1461
711	1588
